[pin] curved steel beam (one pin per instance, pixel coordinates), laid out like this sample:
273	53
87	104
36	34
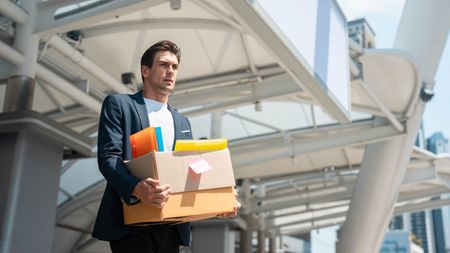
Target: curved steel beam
10	54
13	11
47	25
87	64
157	24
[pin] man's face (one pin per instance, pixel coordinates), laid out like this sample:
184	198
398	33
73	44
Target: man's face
163	73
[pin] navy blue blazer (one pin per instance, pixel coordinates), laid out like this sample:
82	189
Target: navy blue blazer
121	116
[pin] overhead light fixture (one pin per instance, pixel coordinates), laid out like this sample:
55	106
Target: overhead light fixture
258	106
175	4
128	78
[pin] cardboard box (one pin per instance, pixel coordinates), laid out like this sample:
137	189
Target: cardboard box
194	196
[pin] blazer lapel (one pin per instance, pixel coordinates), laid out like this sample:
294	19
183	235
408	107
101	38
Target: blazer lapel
141	109
176	126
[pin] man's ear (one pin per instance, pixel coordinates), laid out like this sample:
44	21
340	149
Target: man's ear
145	71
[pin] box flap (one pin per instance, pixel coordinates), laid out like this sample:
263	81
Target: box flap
141	167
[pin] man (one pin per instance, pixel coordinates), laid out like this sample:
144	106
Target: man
121	116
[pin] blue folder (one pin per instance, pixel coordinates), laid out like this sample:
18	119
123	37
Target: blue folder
159	139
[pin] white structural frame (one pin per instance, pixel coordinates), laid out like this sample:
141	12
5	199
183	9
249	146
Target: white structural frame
350	185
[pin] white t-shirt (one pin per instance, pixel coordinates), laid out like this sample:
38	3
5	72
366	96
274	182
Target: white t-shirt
160	116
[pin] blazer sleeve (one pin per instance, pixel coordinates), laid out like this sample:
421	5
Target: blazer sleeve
110	149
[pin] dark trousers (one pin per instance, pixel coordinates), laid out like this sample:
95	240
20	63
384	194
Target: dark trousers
153	239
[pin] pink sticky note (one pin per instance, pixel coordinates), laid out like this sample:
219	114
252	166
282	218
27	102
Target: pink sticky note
199	165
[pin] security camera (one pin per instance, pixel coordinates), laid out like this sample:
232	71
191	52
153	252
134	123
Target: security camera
175	4
426	94
75	35
128	78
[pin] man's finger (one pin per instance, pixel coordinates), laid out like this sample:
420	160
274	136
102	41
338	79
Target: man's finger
157	201
152	182
166	187
156	190
166	195
160	195
158	204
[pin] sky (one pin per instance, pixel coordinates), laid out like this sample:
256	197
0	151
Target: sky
384	16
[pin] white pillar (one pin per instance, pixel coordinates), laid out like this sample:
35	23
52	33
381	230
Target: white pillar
216	125
423	32
384	164
382	171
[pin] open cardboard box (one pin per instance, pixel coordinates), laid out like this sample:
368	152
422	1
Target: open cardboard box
194	196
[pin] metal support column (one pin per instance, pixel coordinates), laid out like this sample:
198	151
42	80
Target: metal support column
281	244
246	235
216	236
19	94
261	230
216	125
29	183
20	86
261	241
272	244
31	152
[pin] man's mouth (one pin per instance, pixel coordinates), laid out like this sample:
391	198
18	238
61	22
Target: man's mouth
168	80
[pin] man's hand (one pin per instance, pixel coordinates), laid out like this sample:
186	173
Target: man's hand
236	208
151	193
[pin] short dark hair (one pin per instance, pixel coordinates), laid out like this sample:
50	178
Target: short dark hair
163	45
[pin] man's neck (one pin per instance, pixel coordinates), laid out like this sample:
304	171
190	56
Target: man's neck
156	97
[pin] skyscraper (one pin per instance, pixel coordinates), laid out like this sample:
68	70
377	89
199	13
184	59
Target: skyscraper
437	144
360	31
431	228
